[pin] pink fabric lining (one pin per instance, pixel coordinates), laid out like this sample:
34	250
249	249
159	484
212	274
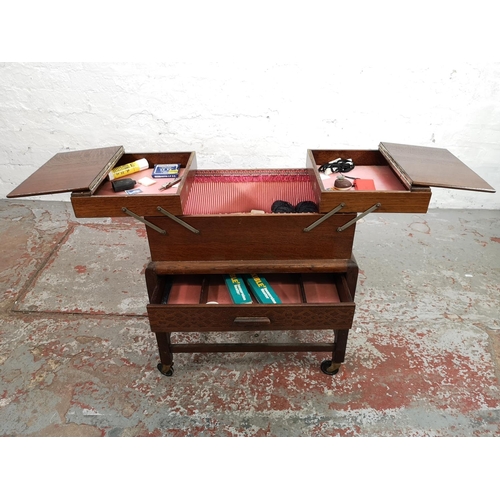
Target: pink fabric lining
382	175
293	175
107	189
224	192
319	289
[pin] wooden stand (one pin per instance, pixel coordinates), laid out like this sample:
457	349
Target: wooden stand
296	314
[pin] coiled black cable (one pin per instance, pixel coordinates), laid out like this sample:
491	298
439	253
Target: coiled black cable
338	166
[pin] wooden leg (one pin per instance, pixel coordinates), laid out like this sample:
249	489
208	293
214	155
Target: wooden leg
166	357
340	346
332	367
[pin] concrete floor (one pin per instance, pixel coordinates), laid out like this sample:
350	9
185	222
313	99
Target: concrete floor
77	357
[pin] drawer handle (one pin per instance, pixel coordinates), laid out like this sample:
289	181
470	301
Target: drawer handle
252	320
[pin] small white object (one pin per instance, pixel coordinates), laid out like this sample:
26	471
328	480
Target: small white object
90	412
146	181
212	302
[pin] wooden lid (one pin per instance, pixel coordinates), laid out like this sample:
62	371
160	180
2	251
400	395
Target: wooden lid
424	166
74	171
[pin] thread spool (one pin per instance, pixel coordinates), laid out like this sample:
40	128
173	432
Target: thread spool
282	207
306	207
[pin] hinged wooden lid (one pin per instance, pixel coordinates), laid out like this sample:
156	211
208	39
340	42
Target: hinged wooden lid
436	167
74	171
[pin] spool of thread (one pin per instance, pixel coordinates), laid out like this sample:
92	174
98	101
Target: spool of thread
306	207
282	207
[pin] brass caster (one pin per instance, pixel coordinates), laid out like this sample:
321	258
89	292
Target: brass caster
330	368
167	370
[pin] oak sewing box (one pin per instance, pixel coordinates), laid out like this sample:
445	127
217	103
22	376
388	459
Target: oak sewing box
217	222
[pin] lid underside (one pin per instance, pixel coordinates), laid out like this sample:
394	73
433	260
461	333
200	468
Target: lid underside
73	171
436	167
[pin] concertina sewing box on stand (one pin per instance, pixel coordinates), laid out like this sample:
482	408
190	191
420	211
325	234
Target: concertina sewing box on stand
216	223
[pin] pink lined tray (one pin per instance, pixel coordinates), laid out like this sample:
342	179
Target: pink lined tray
106	189
382	175
318	289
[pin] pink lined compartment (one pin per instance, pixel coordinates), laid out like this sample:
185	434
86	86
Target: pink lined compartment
185	290
237	191
217	291
382	175
286	287
106	187
318	289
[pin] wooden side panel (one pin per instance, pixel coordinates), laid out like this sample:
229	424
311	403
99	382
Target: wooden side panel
259	266
251	237
358	156
182	157
390	201
111	206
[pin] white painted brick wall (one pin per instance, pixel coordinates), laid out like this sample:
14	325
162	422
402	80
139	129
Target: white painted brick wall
250	114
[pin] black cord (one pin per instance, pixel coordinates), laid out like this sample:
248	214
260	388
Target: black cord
338	166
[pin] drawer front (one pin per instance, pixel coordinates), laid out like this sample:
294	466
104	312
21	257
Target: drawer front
208	317
251	237
203	303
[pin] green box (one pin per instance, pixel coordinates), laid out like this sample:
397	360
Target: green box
262	289
239	292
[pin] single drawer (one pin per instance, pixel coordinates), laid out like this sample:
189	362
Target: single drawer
184	303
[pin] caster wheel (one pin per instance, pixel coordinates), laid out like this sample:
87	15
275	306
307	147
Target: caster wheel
163	369
329	368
